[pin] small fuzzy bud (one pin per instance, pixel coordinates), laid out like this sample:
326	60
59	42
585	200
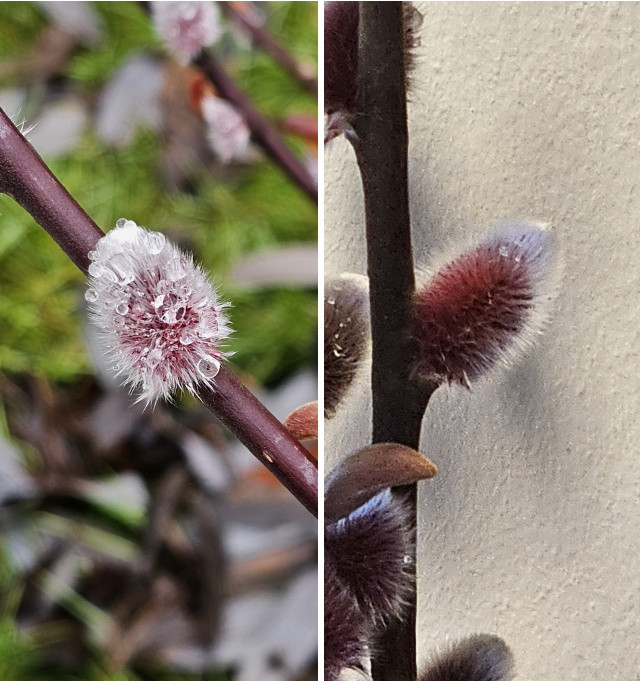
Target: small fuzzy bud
227	130
186	27
341	21
161	320
346	335
477	658
371	549
487	306
345	634
341	25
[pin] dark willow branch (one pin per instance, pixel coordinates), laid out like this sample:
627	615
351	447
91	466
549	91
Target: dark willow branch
399	396
264	133
26	179
272	47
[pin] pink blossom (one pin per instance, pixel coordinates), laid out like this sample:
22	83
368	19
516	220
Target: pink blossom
186	27
227	131
487	306
161	319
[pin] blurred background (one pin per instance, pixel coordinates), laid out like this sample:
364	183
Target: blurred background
149	544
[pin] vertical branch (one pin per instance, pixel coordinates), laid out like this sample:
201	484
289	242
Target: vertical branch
399	396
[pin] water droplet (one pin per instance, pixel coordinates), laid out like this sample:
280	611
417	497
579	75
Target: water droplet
155	242
169	308
121	222
111	275
163	286
91	295
407	560
116	367
122	268
206	331
118	322
187	337
92	255
176	269
185	290
154	358
208	366
122	308
95	270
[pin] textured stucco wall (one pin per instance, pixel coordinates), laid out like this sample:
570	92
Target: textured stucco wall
532	528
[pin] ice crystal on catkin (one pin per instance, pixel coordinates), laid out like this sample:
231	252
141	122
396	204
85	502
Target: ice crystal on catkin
486	306
186	27
161	319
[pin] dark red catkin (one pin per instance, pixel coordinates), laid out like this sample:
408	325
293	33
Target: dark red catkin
486	306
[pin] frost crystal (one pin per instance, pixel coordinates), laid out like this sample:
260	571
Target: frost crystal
187	27
487	306
160	317
227	131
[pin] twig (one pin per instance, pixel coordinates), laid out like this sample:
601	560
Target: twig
264	133
272	47
25	178
399	397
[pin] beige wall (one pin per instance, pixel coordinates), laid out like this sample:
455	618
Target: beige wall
532	529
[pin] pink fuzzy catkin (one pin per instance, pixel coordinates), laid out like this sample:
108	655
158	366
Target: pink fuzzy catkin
227	130
161	320
487	306
186	27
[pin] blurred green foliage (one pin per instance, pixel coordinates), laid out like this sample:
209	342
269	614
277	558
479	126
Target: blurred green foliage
41	291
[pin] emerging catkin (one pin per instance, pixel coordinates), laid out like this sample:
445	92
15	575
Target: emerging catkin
487	305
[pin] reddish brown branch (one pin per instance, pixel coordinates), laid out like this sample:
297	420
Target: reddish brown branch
264	133
25	177
264	436
268	44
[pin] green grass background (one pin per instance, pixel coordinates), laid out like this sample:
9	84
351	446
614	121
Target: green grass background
40	290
